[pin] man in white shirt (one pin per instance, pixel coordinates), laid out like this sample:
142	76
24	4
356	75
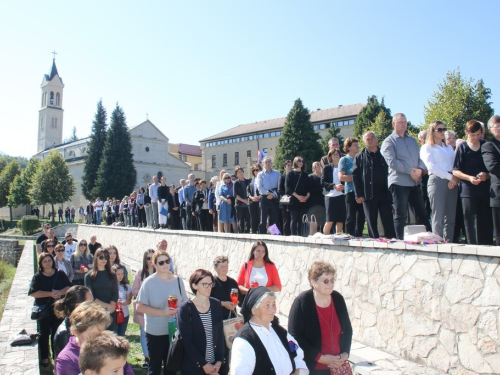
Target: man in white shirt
98	205
153	193
69	246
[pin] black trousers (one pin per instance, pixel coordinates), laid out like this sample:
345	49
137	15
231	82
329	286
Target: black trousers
402	196
268	209
190	223
296	211
141	216
254	216
355	219
286	220
47	328
183	217
496	223
202	220
158	352
374	206
243	219
459	221
477	220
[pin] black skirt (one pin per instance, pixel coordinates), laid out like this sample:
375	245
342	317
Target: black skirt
335	209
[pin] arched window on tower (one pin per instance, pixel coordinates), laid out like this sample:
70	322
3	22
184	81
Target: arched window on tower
44	103
58	100
42	99
41	122
51	98
56	123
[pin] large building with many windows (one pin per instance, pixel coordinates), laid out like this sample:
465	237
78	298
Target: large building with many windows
243	144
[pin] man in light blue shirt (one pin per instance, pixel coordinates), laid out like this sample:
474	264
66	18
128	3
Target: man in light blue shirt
402	154
153	193
188	192
183	203
267	183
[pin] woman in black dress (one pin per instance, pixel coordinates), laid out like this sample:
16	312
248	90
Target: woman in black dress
297	186
48	285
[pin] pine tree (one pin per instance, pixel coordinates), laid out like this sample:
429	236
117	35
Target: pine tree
458	100
73	137
333	132
8	175
19	189
94	153
382	127
368	114
117	175
298	138
52	182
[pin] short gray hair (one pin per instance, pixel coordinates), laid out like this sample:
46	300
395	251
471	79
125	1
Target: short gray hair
450	132
369	132
493	120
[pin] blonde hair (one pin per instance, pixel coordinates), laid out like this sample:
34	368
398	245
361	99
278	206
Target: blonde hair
88	315
429	139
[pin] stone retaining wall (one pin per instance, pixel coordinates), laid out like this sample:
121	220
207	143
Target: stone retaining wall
437	305
10	251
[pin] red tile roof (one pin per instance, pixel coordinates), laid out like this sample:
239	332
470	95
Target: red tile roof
189	149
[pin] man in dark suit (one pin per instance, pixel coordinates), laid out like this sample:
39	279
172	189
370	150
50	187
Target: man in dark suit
491	157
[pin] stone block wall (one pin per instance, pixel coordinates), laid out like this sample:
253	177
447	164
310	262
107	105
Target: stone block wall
437	305
10	251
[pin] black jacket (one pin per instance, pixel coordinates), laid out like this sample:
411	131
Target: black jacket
238	189
362	174
317	198
327	177
296	182
198	198
164	193
194	339
303	325
491	158
250	189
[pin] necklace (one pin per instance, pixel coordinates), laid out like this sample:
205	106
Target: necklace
329	325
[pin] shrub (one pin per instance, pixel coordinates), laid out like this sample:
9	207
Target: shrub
29	224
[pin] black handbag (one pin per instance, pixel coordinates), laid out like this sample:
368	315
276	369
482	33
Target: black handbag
42	311
176	350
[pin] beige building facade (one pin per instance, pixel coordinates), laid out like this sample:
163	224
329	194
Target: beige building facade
241	145
189	154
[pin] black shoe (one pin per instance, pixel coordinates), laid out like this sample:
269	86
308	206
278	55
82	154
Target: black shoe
146	363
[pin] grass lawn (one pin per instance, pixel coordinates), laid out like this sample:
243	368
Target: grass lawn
7	273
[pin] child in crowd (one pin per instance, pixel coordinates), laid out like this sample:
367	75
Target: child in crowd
124	298
105	354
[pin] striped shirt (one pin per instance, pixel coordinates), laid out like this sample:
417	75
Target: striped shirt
206	319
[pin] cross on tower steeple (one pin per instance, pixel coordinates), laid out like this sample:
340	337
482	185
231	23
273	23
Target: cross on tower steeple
54	53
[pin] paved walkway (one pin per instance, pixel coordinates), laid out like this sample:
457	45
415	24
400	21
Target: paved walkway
16	317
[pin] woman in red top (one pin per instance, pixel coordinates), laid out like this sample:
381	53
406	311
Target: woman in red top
259	270
320	323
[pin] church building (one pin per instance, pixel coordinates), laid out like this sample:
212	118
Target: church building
150	146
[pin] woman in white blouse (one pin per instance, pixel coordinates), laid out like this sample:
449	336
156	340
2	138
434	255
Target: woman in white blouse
442	186
262	345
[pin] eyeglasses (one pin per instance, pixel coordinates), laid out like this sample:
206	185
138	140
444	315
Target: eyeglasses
440	130
148	258
50	246
162	262
69	239
326	281
83	244
300	160
102	257
60	251
227	178
208	285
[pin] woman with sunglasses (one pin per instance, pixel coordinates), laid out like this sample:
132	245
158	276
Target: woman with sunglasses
103	284
320	323
81	262
152	301
442	187
146	270
226	210
297	186
63	264
200	326
48	246
47	286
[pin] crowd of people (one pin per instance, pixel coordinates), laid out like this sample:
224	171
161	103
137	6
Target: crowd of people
78	316
448	185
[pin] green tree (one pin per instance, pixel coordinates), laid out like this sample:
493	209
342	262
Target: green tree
52	182
382	127
458	100
8	175
94	153
368	114
19	189
333	132
298	138
3	163
73	136
117	175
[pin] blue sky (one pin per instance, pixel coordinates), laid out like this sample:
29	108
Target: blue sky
200	67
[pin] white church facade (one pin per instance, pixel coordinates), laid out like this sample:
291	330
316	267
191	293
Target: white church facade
150	146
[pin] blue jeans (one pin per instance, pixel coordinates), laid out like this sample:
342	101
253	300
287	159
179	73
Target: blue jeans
98	215
121	328
144	342
402	196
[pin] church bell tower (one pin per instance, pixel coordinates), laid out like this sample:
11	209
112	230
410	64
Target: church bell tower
50	118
